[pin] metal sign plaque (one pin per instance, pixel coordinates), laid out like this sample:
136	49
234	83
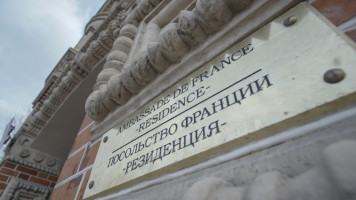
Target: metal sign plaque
282	75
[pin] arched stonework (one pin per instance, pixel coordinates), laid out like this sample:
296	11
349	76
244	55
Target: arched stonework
124	76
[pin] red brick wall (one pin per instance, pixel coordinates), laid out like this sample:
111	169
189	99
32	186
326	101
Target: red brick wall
76	170
9	170
339	12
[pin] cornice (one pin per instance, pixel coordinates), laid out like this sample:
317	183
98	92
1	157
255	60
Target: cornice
76	68
32	165
112	15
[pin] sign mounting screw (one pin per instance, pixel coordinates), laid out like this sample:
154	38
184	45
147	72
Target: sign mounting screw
105	139
91	184
334	76
289	21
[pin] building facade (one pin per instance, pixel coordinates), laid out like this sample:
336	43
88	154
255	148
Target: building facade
196	99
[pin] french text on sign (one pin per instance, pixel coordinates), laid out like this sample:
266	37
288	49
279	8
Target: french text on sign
247	93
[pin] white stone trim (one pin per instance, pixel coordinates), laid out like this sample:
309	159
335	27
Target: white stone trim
73	177
81	160
96	141
90	144
82	172
78	150
85	128
80	186
348	25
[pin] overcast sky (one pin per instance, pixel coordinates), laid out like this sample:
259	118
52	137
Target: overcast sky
34	35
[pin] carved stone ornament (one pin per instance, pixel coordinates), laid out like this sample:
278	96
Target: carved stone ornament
128	77
38	158
36	166
20	189
25	153
74	68
50	162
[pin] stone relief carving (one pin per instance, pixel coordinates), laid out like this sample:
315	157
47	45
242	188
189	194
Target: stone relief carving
38	158
34	159
213	188
50	162
24	141
25	153
54	170
75	66
335	179
120	79
20	189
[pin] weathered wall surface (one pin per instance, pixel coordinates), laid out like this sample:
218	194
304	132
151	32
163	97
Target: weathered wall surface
291	164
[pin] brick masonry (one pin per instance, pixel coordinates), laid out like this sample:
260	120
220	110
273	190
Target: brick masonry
352	34
76	171
67	190
71	165
73	179
9	170
339	12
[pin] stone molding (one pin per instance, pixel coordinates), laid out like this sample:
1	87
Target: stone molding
69	72
121	79
22	153
34	165
19	189
76	68
109	17
333	179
